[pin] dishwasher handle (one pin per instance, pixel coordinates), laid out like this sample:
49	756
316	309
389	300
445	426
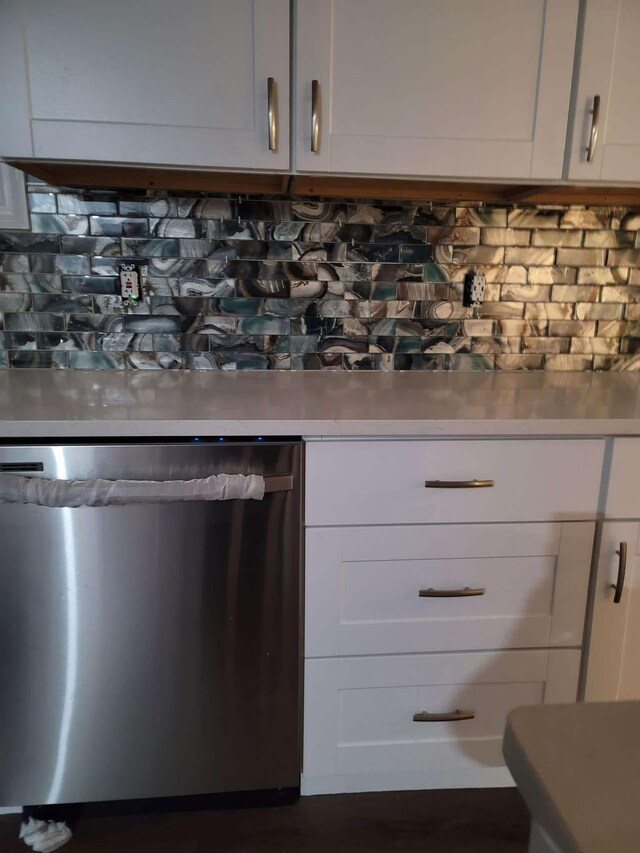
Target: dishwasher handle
15	488
278	483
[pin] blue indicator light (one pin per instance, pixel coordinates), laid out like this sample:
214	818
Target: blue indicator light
197	439
259	439
221	439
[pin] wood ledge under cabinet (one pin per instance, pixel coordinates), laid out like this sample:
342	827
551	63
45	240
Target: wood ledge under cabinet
135	177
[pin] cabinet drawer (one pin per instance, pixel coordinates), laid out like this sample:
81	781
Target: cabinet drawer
383	482
623	498
363	587
359	714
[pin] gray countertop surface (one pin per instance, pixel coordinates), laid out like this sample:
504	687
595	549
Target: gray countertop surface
578	769
57	403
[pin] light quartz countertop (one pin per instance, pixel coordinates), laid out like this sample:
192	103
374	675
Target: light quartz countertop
76	403
576	766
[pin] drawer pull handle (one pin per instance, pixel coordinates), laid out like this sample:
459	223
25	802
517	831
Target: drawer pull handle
452	717
622	570
458	484
450	593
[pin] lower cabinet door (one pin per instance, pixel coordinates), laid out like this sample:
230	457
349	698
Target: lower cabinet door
613	665
422	721
445	587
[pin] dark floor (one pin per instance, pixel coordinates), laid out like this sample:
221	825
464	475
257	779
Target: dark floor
474	821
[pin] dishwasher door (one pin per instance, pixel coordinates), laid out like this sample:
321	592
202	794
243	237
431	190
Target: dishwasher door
150	650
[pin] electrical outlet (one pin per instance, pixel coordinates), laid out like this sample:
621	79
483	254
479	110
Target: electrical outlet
131	277
473	290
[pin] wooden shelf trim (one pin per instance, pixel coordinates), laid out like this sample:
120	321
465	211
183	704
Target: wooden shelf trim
134	177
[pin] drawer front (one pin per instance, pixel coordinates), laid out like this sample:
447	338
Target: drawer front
359	712
427	588
623	498
383	482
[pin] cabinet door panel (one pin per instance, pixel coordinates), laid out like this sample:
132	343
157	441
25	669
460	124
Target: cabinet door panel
623	497
162	62
609	67
158	82
613	669
15	129
442	87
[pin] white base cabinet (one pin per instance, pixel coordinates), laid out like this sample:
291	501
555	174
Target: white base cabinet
446	583
361	731
613	668
613	662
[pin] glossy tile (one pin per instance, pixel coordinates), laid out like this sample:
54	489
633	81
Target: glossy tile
281	283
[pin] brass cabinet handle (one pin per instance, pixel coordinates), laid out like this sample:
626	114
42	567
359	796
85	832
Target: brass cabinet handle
452	717
595	123
450	593
272	113
622	570
315	116
458	484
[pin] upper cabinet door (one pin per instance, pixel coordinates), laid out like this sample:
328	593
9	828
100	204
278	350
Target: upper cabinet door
434	87
609	69
147	81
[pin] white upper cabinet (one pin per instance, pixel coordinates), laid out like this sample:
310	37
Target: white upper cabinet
146	81
414	88
609	69
434	87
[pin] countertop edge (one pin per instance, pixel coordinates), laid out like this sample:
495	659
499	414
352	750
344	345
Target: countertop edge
116	404
319	429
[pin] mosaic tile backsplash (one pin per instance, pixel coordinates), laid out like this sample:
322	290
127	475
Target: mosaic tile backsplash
292	283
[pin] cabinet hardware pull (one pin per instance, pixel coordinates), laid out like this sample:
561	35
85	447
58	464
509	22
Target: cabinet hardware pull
622	570
450	593
272	114
454	716
595	123
315	116
7	467
458	484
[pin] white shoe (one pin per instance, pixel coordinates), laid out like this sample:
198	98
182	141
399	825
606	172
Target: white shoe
44	836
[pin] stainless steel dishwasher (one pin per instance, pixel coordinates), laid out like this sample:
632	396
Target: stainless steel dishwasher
150	650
